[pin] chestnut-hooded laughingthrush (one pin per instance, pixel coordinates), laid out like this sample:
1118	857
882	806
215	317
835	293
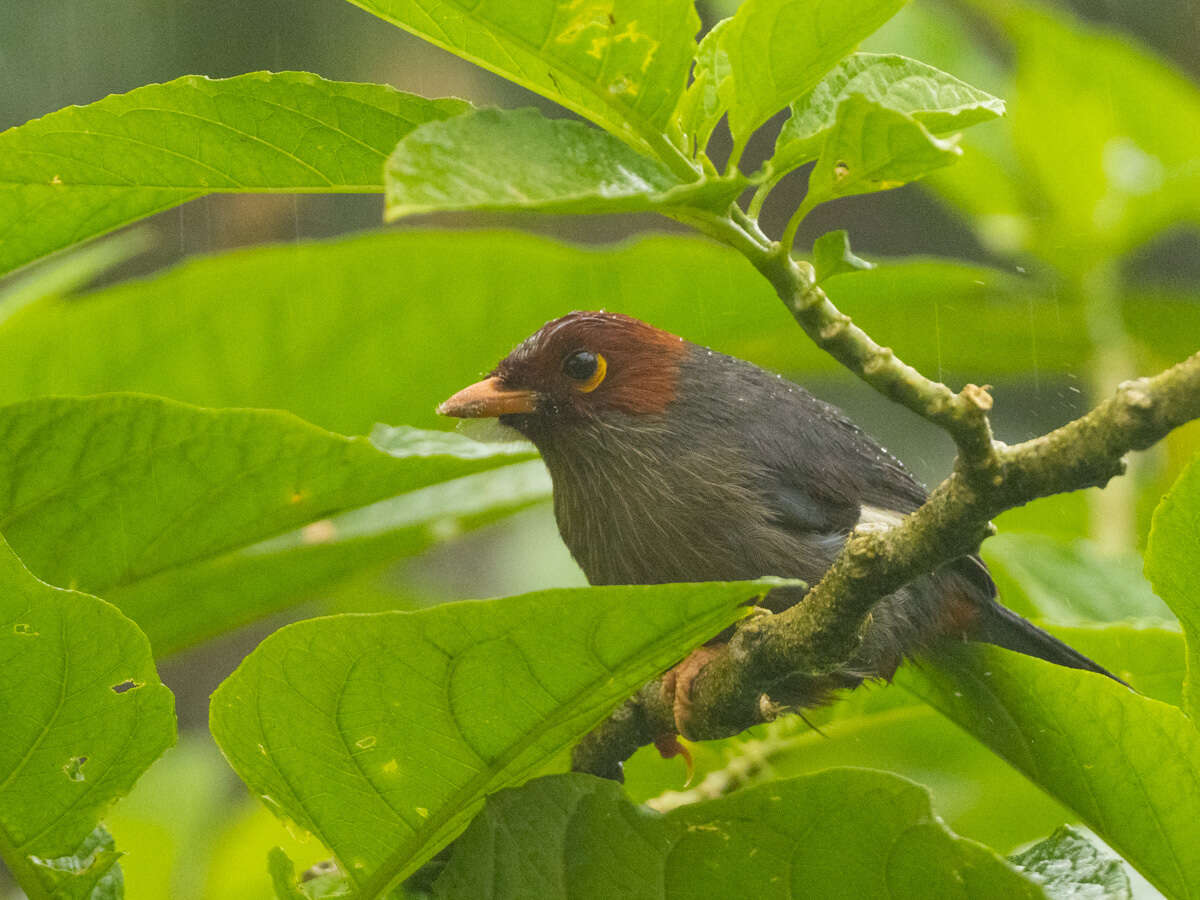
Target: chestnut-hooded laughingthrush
671	462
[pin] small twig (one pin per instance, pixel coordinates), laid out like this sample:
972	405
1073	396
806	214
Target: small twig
963	415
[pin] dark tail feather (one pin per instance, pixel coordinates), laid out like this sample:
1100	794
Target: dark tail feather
1000	626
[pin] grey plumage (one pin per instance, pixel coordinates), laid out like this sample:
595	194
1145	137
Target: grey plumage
689	465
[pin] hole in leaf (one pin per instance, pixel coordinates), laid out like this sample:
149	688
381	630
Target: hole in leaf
317	870
24	628
73	768
127	685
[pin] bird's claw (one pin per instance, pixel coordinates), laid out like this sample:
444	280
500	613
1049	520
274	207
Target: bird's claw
668	745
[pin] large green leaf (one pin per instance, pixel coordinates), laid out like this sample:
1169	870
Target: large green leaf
857	833
181	607
85	715
506	159
1125	121
85	170
622	63
69	272
870	147
1127	764
382	733
1173	567
1070	581
1147	654
104	492
280	327
777	50
939	101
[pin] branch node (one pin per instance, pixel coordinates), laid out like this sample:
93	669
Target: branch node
1136	394
835	327
879	360
863	547
978	396
806	275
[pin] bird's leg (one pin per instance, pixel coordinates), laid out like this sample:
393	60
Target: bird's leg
677	683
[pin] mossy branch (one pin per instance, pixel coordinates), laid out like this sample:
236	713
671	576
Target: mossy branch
821	633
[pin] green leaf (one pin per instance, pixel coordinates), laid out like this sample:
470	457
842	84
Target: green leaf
873	148
280	327
856	832
386	730
778	50
1070	582
90	873
1173	567
85	715
182	607
1128	765
505	159
622	63
1069	866
701	106
70	272
1146	654
832	256
85	170
104	492
939	101
1106	133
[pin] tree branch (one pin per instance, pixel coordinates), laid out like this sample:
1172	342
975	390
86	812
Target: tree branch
819	634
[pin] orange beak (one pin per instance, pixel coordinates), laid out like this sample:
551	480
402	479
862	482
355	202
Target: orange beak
487	399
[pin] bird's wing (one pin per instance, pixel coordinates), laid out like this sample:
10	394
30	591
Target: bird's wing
826	475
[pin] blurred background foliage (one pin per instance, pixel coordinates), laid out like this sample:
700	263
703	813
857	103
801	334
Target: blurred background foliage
1077	264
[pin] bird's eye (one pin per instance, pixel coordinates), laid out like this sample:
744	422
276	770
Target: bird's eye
586	367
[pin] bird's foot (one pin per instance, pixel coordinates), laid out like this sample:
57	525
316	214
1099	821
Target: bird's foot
677	684
677	687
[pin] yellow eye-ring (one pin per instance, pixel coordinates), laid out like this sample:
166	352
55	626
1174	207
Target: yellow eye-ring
587	368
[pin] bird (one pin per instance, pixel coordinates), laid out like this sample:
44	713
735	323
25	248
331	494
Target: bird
672	462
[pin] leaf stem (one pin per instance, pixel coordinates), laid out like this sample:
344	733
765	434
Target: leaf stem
789	233
674	158
749	224
735	156
760	197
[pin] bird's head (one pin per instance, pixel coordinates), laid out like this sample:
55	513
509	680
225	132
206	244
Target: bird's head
585	367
